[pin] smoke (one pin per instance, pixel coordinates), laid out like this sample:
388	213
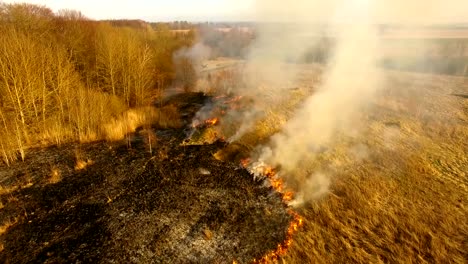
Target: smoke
196	53
351	77
360	31
313	188
188	64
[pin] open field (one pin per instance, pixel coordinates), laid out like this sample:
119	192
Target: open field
398	194
399	187
405	199
399	183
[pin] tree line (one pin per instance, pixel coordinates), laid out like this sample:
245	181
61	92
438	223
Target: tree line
62	76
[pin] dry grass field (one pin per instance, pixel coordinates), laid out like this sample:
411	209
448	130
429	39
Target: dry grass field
399	183
399	191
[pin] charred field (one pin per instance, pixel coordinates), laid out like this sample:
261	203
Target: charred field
124	202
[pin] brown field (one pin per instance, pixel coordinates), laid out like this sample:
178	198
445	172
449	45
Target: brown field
399	191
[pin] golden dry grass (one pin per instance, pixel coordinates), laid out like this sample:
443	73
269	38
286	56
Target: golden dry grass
4	227
129	121
407	201
398	187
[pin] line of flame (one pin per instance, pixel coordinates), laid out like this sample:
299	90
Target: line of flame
297	221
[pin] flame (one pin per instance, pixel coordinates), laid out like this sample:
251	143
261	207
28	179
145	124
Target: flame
233	100
278	185
220	96
212	121
270	173
288	196
245	162
282	248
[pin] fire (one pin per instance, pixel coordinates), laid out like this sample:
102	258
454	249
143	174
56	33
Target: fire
270	173
233	100
288	196
245	162
212	121
220	97
282	248
278	185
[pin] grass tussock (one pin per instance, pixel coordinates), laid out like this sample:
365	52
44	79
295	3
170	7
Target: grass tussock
129	121
81	162
7	190
4	227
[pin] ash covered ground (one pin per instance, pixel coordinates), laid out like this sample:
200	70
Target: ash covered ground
173	204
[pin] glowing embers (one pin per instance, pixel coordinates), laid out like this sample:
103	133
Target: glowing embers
205	123
282	248
209	123
261	170
212	121
234	101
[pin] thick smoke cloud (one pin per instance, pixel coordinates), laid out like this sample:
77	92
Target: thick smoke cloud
351	77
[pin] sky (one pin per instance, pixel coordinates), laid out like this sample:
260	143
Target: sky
385	11
154	10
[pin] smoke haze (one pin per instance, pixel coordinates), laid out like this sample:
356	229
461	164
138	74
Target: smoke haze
350	79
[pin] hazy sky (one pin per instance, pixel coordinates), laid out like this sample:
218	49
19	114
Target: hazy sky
154	9
393	11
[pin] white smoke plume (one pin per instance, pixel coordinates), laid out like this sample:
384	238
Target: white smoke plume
351	77
188	63
196	54
349	81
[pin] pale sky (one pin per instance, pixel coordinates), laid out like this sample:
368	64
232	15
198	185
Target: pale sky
154	10
382	11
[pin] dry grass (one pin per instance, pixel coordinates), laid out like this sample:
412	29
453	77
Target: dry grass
6	190
129	121
406	202
4	227
399	187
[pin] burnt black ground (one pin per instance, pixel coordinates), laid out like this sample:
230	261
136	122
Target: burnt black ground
175	205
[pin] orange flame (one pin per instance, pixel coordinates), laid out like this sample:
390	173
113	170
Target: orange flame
212	121
288	196
296	222
232	100
245	162
282	248
220	96
269	172
277	184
